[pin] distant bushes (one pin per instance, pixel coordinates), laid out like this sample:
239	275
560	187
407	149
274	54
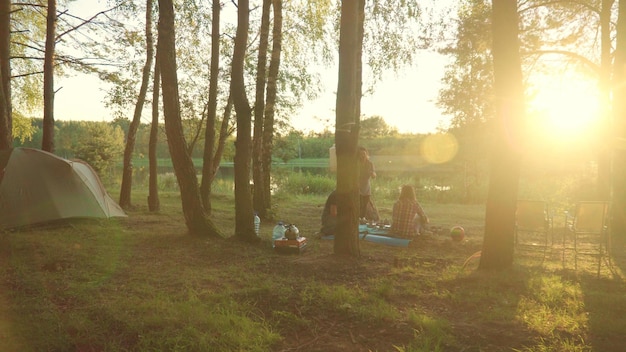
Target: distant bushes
288	182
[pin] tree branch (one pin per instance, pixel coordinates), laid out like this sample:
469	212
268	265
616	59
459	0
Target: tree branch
86	21
553	2
595	67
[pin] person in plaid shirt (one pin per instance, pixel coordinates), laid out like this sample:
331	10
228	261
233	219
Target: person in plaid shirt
408	215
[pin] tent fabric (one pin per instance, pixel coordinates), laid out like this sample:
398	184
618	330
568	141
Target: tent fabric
37	187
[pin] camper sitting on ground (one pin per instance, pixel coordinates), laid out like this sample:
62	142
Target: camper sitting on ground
329	215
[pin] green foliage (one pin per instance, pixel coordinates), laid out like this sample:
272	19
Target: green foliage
287	147
316	145
23	129
468	92
375	126
101	146
393	30
28	31
292	183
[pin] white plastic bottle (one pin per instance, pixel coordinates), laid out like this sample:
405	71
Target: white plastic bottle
257	224
279	232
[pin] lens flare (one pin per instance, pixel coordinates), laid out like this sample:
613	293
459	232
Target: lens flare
439	148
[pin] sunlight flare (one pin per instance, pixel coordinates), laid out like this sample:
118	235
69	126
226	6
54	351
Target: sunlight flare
565	110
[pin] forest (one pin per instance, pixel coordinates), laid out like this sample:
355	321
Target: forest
535	93
255	57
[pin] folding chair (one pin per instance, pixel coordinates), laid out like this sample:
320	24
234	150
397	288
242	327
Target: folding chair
589	232
533	225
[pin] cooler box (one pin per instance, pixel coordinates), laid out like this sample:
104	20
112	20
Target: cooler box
286	246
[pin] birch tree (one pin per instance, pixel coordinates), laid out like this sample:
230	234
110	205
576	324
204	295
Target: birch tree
196	219
127	168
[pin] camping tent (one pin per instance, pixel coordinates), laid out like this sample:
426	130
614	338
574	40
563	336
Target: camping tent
38	187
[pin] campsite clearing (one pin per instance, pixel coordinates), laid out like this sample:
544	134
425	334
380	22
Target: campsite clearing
140	283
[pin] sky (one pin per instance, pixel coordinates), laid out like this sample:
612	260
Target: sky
406	99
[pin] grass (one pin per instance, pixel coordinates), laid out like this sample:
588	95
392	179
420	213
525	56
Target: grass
142	284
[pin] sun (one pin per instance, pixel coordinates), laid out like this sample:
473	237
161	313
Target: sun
565	110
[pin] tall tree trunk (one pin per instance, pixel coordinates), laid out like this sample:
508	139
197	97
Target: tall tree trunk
359	64
5	140
153	183
244	225
127	170
258	200
604	156
272	79
225	131
618	223
196	219
6	122
347	133
47	142
209	132
497	250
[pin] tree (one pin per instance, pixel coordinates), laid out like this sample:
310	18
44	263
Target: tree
244	225
48	78
270	106
604	159
468	80
196	218
209	165
618	218
259	108
6	134
375	126
497	250
153	190
347	130
99	144
127	169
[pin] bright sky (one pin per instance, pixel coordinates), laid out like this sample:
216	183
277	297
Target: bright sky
406	100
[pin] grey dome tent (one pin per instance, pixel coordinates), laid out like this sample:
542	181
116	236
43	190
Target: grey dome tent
38	187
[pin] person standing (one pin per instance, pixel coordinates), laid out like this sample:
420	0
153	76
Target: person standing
366	173
408	216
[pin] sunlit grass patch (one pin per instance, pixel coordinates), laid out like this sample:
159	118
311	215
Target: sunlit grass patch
431	334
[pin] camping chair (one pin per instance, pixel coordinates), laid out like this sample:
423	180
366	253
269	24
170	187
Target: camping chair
533	225
587	229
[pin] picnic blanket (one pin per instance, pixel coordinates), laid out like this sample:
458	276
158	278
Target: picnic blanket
377	235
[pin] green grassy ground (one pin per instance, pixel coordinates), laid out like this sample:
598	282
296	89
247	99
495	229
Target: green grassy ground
142	284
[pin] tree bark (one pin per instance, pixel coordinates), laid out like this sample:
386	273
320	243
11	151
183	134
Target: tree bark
272	79
6	122
604	155
244	221
196	219
153	183
47	142
209	132
618	222
346	132
127	169
258	200
497	252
